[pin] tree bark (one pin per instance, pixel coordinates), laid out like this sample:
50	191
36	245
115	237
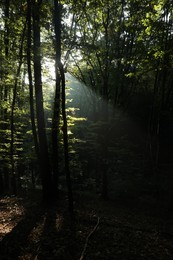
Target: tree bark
4	74
44	163
12	150
56	108
57	21
30	78
65	139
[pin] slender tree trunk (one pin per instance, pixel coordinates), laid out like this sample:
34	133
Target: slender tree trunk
105	109
56	108
12	150
31	94
57	21
65	138
55	133
44	163
6	43
7	14
6	89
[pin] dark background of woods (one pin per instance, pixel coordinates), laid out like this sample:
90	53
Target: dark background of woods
121	141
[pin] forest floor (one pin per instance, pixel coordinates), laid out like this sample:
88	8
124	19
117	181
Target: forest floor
117	229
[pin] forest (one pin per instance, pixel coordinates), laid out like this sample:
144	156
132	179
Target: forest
86	129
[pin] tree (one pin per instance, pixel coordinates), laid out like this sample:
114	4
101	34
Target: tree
44	163
60	84
30	76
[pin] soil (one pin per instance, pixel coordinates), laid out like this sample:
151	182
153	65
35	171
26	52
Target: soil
118	229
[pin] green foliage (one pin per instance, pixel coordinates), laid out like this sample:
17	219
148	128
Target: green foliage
119	49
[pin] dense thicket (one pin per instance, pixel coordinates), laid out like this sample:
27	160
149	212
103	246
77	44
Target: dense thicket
122	50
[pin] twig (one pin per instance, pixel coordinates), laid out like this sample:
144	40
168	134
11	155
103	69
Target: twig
87	239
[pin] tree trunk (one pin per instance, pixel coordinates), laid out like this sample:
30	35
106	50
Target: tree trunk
105	108
12	150
65	138
57	21
5	168
44	163
56	108
31	99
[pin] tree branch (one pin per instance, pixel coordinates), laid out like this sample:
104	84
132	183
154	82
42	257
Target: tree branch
87	239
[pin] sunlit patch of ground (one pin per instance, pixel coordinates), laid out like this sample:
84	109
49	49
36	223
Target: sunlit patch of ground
11	212
33	236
